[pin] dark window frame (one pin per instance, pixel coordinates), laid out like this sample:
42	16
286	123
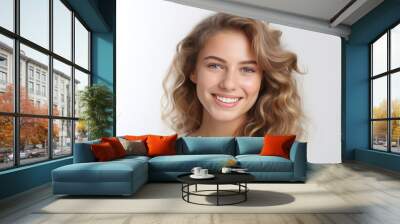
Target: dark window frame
16	114
388	74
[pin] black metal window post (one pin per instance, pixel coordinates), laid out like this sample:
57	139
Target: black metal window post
16	114
389	73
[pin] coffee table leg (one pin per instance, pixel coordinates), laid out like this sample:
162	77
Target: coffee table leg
196	188
217	194
245	191
188	189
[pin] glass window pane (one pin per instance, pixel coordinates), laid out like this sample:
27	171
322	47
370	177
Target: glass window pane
6	142
7	14
81	81
379	97
395	136
81	131
379	135
395	94
62	89
34	97
379	55
395	47
81	45
62	138
62	29
33	140
35	21
6	74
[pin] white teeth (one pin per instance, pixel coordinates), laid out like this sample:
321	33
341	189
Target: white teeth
227	100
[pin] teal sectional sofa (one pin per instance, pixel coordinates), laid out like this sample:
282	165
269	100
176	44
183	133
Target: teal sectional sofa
125	176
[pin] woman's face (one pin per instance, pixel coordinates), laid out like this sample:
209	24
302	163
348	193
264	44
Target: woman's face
227	76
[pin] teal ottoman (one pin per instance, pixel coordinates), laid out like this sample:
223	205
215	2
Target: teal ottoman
118	177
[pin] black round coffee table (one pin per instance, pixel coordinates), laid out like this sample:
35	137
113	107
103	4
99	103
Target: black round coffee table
238	179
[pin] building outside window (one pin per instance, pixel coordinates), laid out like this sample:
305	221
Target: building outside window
30	72
3	72
3	61
37	75
44	77
3	78
38	89
30	87
43	90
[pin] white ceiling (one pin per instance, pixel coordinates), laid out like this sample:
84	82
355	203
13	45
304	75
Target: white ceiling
320	9
325	16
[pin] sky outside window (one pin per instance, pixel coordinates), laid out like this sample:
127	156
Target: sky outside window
35	21
62	29
379	55
7	13
395	47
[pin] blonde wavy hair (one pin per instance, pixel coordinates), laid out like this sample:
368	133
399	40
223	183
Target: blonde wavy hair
277	110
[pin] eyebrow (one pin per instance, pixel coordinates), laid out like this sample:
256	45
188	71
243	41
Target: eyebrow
222	60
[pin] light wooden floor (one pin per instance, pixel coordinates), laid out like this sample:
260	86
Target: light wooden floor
378	188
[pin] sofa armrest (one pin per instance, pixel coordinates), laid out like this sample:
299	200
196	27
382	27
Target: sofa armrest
83	152
298	155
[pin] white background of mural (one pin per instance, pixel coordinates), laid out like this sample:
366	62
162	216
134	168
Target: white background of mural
147	34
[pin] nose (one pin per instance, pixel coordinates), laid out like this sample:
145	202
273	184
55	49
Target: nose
228	81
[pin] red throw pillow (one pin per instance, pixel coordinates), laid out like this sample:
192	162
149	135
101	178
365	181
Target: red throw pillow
161	145
103	151
116	145
277	145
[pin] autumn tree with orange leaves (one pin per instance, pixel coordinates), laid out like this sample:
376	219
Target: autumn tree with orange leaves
380	127
34	130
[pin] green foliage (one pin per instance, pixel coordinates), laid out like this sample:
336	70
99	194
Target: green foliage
96	102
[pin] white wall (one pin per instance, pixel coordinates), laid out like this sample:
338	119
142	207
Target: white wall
147	34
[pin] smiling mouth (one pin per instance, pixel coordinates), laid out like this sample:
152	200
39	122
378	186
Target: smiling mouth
226	101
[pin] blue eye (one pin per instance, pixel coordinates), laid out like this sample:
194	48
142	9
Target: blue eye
248	70
215	66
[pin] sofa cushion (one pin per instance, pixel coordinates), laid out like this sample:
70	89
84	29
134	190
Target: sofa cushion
206	145
111	171
83	152
257	163
131	158
185	163
249	145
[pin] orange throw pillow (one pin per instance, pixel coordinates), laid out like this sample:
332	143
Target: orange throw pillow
135	138
116	145
277	145
161	145
103	151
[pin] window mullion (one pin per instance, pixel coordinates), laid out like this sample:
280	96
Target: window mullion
50	81
20	82
371	98
16	83
389	106
73	82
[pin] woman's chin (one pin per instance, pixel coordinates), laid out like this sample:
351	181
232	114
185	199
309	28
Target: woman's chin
225	116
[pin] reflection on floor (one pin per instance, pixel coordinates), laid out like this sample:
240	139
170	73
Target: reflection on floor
377	188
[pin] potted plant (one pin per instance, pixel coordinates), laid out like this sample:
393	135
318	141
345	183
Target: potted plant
96	103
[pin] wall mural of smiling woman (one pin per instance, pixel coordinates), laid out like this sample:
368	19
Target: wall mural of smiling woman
230	76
